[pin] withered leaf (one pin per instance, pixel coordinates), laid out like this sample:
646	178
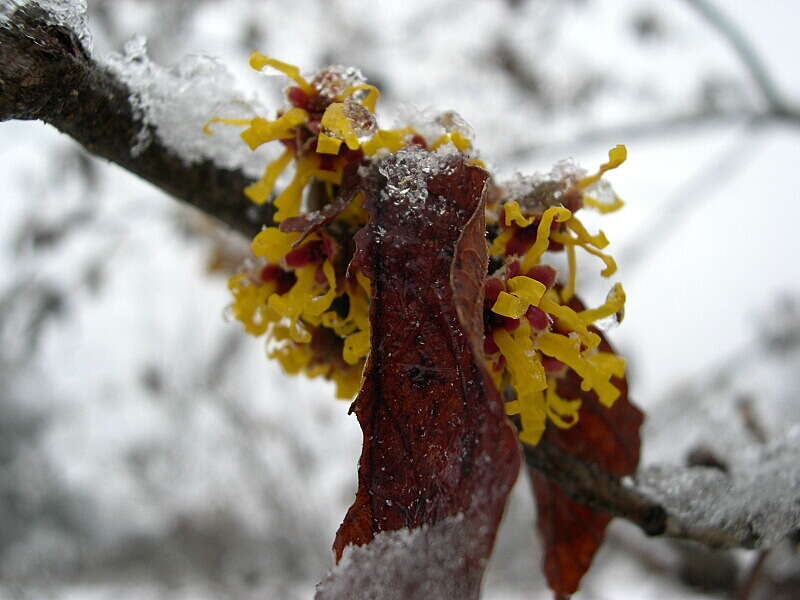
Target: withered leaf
439	457
571	532
310	222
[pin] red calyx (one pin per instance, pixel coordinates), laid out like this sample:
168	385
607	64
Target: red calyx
285	279
418	140
298	97
537	318
552	365
543	274
327	162
492	289
521	241
306	254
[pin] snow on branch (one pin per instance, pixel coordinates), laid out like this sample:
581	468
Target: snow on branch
752	501
47	73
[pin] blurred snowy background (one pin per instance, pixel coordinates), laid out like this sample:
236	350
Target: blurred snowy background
147	447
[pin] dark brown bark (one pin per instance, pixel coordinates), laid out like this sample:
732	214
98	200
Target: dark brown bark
46	74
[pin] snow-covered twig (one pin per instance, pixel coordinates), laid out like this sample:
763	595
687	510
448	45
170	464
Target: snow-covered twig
47	74
755	503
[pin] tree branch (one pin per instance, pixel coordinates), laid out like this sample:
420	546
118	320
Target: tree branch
777	106
46	74
776	110
755	504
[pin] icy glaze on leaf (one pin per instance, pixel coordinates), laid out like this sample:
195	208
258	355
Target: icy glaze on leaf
572	533
436	441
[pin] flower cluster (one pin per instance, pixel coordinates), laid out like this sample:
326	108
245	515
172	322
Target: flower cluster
535	329
299	290
302	292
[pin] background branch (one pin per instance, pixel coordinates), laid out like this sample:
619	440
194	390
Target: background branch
46	74
776	109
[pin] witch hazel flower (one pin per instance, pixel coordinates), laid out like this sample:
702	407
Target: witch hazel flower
312	304
533	331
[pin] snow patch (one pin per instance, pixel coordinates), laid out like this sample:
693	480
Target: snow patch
535	193
426	562
177	102
757	501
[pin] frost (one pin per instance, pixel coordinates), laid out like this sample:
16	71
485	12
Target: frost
432	124
427	562
333	81
177	102
67	13
602	191
757	501
535	193
408	171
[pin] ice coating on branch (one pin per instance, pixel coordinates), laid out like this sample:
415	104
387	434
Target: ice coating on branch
67	13
757	501
177	102
427	562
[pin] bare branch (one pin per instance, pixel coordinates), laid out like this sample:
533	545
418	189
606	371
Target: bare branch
776	109
749	57
46	74
754	505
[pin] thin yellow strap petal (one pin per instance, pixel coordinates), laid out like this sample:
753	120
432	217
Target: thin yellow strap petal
599	240
563	413
327	144
370	100
258	61
554	213
356	346
510	306
500	242
460	141
533	416
615	302
207	127
571	319
262	131
289	200
273	244
527	289
602	207
260	191
514	215
616	156
611	264
391	139
569	290
335	121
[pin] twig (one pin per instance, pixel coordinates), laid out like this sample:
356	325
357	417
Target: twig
741	46
46	74
668	126
777	108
